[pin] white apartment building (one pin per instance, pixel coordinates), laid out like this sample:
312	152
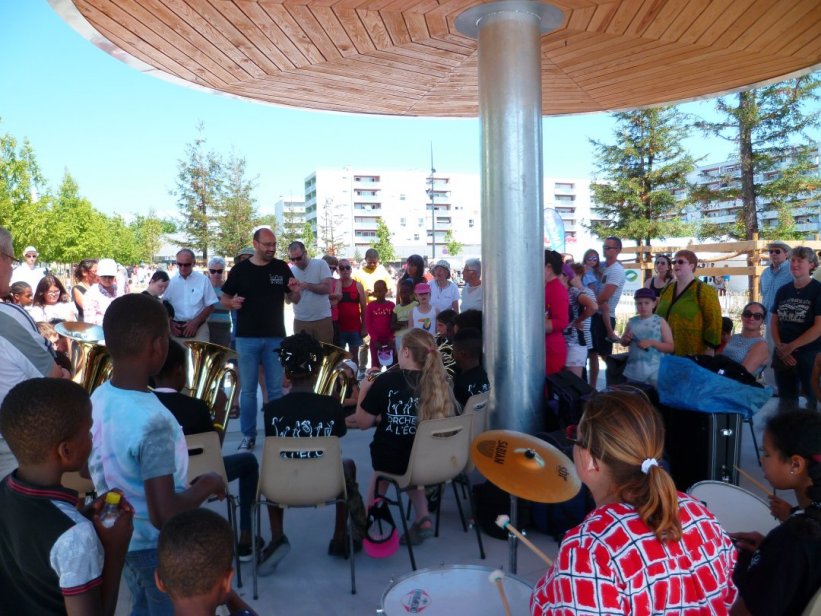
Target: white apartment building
727	173
290	209
346	203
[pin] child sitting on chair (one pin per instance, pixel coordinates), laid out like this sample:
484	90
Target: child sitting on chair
53	560
194	556
304	414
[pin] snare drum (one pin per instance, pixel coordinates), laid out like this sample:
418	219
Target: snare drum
734	508
454	589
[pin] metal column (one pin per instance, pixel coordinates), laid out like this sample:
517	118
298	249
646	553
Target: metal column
510	112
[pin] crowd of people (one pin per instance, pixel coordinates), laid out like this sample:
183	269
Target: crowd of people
645	548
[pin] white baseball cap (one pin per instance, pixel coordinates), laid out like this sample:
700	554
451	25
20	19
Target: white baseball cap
30	249
106	267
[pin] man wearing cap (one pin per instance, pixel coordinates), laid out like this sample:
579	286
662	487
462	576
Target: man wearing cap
24	353
28	271
193	299
100	295
444	294
312	314
472	291
773	278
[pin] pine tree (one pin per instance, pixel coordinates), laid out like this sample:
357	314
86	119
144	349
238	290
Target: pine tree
775	168
235	214
639	174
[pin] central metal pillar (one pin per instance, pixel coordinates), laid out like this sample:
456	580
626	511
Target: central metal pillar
510	113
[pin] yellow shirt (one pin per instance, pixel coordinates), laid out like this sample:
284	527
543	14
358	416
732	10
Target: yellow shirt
367	280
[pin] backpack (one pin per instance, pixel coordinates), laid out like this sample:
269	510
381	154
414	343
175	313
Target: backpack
565	398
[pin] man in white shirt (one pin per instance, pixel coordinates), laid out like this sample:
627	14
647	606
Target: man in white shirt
193	299
608	298
472	294
313	312
28	271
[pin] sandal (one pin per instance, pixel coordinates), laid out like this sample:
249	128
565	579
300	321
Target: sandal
234	412
418	534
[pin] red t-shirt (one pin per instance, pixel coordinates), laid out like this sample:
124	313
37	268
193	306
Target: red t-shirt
350	320
557	304
378	321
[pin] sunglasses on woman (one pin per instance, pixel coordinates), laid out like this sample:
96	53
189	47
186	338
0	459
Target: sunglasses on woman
758	316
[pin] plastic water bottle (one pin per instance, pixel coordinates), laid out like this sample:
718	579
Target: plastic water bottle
111	509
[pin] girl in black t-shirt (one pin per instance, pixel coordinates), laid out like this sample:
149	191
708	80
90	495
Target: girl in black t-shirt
396	401
782	571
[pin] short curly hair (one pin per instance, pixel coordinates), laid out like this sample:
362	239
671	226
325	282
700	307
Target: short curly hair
194	552
39	414
131	322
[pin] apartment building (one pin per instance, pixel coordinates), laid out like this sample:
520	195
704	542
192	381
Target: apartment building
290	211
345	204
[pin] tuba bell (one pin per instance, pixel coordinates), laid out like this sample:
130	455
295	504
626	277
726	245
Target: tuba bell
207	371
90	359
330	374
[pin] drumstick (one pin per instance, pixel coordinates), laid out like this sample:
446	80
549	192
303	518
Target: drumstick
754	481
503	521
496	577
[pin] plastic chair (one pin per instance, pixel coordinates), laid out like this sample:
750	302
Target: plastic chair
814	606
439	455
302	472
205	456
477	407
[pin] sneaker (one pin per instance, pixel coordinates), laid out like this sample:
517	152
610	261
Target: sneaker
246	550
271	555
247	443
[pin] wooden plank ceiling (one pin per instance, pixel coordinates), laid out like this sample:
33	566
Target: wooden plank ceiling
405	57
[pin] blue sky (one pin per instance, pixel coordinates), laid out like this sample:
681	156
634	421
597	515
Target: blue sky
120	133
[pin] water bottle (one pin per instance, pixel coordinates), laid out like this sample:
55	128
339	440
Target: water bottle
111	509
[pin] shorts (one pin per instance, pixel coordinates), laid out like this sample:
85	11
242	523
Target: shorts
576	356
601	344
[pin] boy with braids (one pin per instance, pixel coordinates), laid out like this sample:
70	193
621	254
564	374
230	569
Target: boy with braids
304	414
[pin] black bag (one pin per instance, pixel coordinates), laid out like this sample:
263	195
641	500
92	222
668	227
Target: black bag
565	399
725	366
557	518
490	503
616	363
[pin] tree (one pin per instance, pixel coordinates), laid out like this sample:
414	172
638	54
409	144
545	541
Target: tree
22	208
640	173
199	188
292	226
384	242
769	129
329	224
308	238
235	214
148	234
75	225
454	247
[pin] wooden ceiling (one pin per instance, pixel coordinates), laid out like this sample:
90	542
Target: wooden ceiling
405	57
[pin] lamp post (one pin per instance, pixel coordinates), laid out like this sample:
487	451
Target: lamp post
431	193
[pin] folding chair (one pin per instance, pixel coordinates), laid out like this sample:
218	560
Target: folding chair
205	456
476	407
302	472
439	454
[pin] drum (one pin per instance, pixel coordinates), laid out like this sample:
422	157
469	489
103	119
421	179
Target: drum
454	589
734	508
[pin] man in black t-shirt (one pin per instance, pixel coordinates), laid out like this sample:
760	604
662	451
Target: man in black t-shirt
256	288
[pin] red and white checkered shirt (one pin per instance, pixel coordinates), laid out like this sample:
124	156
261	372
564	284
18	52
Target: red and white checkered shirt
612	563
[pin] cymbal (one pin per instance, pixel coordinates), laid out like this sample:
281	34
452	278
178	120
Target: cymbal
525	466
78	330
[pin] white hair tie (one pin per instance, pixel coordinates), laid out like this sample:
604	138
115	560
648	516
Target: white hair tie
649	462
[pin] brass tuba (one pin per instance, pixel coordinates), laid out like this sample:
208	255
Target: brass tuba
330	373
206	373
90	360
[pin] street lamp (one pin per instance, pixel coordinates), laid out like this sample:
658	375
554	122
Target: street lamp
430	191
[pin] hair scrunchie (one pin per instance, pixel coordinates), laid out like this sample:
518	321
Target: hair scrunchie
647	464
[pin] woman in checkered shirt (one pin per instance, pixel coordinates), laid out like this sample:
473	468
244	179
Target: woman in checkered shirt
646	549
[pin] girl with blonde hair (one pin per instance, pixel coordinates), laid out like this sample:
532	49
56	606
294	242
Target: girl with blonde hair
396	401
646	548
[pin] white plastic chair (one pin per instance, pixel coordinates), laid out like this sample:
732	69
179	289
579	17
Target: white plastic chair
814	606
439	455
302	472
205	456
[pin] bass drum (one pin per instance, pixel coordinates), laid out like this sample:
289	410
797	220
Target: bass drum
735	509
454	589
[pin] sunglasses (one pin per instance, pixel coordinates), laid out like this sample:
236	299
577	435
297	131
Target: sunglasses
344	268
681	262
571	433
758	316
610	247
775	251
215	271
184	264
592	259
31	256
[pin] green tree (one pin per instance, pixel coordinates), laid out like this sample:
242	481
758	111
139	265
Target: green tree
292	226
329	223
22	209
775	170
639	174
384	242
75	225
308	238
454	247
235	214
148	235
198	191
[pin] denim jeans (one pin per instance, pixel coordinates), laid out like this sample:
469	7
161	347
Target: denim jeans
789	378
350	341
243	466
146	598
252	352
